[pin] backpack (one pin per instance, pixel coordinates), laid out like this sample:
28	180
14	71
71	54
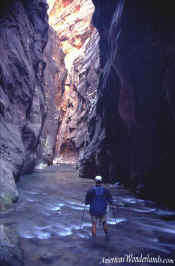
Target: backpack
99	202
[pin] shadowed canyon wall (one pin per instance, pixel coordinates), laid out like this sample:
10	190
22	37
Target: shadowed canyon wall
131	132
23	36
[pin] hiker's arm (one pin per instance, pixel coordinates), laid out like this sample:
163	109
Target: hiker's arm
87	199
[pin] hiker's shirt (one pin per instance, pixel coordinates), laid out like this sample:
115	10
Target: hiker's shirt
98	197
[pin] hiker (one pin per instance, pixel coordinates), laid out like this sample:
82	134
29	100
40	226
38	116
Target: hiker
98	197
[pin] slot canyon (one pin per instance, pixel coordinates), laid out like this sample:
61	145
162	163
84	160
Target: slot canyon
86	89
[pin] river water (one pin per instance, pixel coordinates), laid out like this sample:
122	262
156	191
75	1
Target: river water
54	225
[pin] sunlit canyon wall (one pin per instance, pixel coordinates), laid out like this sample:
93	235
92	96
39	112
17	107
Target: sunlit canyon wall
75	51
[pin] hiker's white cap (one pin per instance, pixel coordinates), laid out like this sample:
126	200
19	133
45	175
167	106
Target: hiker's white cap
98	179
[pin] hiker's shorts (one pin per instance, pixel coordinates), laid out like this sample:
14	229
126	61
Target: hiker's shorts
101	219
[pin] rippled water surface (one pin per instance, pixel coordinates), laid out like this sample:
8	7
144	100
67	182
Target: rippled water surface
54	225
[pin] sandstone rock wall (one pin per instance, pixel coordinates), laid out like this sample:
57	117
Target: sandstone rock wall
23	36
54	79
78	39
131	132
48	81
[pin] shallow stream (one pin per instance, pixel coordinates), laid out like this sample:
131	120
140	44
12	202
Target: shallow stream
54	225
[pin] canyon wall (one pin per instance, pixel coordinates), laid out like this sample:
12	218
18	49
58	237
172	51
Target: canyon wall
78	40
131	131
49	73
23	36
55	75
54	107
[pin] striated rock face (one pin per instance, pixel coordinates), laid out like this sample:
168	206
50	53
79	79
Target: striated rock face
48	81
78	39
54	78
131	132
23	36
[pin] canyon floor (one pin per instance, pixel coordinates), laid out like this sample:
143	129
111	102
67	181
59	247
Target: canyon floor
53	231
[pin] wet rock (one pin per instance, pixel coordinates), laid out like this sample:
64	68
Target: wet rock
23	36
8	193
10	252
131	132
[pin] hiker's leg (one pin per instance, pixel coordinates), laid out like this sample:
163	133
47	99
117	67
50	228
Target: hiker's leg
94	222
105	227
94	229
